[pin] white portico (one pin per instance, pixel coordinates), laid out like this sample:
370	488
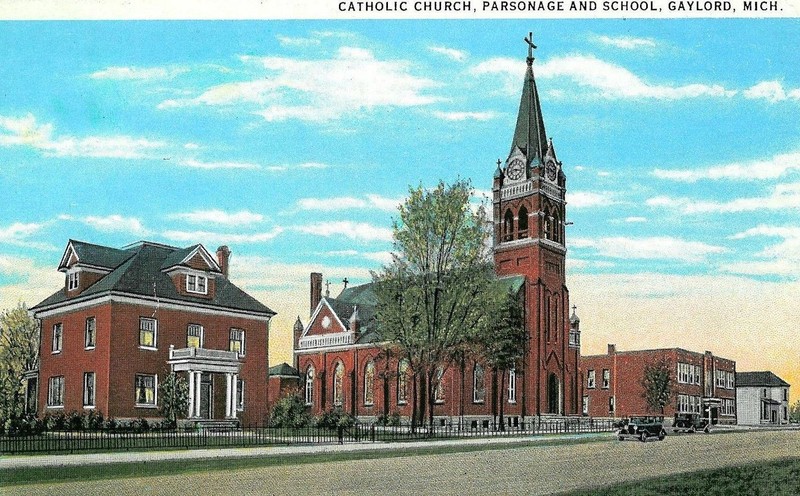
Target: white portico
200	364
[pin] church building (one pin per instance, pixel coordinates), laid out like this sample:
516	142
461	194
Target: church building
342	362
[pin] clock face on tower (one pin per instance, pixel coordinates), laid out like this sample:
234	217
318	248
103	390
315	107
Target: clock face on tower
515	169
551	170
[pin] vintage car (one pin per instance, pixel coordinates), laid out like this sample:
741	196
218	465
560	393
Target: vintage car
690	422
641	428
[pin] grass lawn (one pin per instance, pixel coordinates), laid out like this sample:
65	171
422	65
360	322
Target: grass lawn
36	475
770	478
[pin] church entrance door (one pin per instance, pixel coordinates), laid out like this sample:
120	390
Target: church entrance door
553	395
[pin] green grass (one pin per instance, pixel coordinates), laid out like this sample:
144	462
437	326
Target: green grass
769	478
37	475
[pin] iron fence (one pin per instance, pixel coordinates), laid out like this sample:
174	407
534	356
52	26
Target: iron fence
103	440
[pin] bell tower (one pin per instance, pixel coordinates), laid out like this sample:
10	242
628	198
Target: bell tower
529	210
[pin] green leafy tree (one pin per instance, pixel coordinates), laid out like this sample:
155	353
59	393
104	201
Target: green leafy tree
290	411
657	385
504	345
434	295
19	352
174	392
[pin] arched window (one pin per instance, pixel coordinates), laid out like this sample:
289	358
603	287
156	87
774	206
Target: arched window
556	229
547	225
310	385
402	382
478	384
439	391
508	226
338	384
369	383
522	223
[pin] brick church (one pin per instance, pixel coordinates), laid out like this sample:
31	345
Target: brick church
342	362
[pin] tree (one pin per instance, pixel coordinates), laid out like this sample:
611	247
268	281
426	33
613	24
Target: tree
794	411
657	385
504	346
290	411
434	295
174	397
19	353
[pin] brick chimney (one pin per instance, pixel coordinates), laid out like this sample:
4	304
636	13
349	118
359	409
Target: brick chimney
612	348
223	258
316	290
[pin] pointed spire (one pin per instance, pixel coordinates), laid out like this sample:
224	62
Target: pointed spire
298	324
551	151
574	319
529	135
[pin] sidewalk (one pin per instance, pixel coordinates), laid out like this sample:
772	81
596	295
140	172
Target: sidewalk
21	461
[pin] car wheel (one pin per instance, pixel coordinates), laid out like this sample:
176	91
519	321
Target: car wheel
643	436
662	435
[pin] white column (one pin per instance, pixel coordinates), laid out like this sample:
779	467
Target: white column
228	399
197	393
234	394
191	394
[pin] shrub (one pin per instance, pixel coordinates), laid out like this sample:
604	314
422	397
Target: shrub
334	418
390	420
55	422
289	411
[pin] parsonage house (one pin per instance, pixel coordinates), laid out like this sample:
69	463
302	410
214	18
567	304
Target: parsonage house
762	398
342	362
701	383
127	317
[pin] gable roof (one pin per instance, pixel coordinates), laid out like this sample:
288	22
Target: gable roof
765	378
94	255
139	273
283	369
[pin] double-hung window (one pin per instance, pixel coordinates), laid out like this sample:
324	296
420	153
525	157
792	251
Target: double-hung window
512	386
148	329
55	392
90	334
146	387
58	337
73	280
236	341
606	378
88	389
239	395
194	336
590	377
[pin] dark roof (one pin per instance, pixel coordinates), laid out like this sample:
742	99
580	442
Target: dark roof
530	124
766	379
140	273
363	298
100	256
284	369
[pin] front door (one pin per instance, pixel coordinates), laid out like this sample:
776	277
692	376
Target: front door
553	395
206	396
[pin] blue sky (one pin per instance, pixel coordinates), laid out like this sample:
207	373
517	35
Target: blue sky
293	142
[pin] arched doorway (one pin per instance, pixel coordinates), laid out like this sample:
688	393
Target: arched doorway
553	394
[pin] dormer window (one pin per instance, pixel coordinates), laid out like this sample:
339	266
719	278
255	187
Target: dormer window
196	284
73	279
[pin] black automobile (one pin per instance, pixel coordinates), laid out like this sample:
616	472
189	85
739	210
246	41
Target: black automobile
690	422
641	428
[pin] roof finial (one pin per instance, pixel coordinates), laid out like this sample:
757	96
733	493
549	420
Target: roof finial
327	289
574	308
531	46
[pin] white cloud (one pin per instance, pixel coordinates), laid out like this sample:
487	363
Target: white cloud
352	81
783	196
211	238
626	42
635	219
138	73
32	283
303	165
382	257
220	217
754	170
602	78
199	164
781	259
116	223
660	247
772	91
452	53
348	203
297	41
359	231
466	116
26	131
583	199
17	234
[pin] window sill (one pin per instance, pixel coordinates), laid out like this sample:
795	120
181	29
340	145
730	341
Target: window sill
369	404
56	352
89	407
89	348
402	402
139	405
148	348
478	402
512	402
55	407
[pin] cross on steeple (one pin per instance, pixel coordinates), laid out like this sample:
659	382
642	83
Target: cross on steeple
531	47
345	281
574	308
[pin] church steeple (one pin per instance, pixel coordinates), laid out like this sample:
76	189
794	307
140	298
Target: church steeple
529	135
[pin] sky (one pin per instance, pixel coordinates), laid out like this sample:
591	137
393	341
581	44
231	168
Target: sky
293	142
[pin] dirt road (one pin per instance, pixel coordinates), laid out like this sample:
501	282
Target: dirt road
523	470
